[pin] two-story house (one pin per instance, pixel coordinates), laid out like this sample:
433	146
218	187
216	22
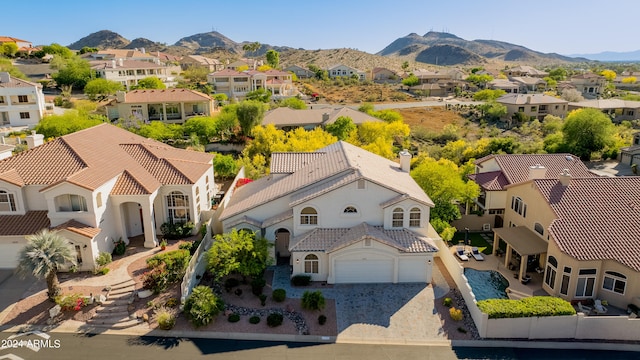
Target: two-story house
212	65
341	214
97	186
21	102
301	72
129	72
287	119
237	84
583	231
342	70
619	110
589	84
167	105
533	105
525	70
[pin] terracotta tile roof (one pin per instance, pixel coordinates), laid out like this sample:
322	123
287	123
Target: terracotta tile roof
287	163
342	161
229	72
93	156
4	39
14	82
79	228
491	181
128	185
515	167
27	224
164	95
597	218
331	240
126	64
12	177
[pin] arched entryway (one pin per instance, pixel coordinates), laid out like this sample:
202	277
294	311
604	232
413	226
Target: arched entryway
132	220
282	245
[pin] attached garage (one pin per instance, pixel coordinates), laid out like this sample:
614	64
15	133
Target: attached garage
414	269
12	234
10	252
363	271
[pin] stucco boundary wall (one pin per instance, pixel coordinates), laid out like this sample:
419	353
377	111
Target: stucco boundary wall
197	265
216	225
474	222
580	326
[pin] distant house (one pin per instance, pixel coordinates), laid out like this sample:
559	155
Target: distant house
342	70
528	84
525	70
287	119
508	86
237	84
589	84
167	105
301	72
22	102
533	105
97	186
251	64
200	61
23	45
630	155
129	72
384	75
439	83
340	214
618	109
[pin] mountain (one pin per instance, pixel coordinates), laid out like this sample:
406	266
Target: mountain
460	51
205	42
148	45
612	56
104	39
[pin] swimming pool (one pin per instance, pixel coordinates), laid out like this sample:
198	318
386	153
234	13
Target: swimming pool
487	284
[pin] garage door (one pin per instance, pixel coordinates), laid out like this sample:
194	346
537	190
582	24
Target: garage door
9	255
364	271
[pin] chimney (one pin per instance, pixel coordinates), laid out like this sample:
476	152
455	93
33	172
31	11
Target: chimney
537	172
113	63
405	160
565	177
34	140
120	96
120	62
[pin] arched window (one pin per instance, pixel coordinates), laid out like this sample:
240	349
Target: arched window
397	218
70	203
538	228
350	210
311	264
414	217
178	207
552	268
7	201
308	216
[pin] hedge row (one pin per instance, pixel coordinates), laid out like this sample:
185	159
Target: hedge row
526	307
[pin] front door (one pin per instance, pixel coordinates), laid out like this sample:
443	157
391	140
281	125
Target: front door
282	243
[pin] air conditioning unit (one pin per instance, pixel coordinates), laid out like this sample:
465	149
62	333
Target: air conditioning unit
486	227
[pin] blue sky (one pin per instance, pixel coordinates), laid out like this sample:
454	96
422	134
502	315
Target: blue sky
561	26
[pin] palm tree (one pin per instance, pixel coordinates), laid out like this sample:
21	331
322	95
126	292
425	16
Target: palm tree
44	253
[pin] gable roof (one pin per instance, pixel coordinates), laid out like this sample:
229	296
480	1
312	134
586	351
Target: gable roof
597	218
284	116
8	81
514	168
27	224
90	157
334	239
342	163
164	95
532	99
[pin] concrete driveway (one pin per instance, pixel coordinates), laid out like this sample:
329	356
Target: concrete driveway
12	288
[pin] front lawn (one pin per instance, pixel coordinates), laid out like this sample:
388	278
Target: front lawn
476	240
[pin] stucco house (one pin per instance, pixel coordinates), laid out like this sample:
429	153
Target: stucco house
201	61
97	186
341	214
342	70
589	84
583	231
237	84
618	109
129	72
525	70
301	72
167	105
384	75
286	118
22	102
533	105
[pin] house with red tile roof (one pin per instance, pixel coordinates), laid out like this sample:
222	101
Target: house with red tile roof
584	232
129	72
22	102
286	118
97	186
340	214
167	105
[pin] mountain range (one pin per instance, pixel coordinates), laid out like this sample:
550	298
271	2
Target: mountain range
437	48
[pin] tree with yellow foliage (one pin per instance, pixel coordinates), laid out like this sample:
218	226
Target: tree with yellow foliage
608	74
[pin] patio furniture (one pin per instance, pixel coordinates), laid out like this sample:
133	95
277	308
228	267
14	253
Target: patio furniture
476	254
584	309
599	308
460	253
525	279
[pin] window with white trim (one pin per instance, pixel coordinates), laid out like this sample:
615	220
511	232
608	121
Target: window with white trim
7	201
178	207
397	218
70	203
552	269
518	206
311	264
414	217
308	216
25	115
614	281
586	282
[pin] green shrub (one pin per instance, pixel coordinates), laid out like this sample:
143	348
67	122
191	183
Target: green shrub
274	319
103	258
230	283
175	262
202	306
528	307
150	304
233	318
171	303
456	314
257	285
185	245
174	231
166	319
156	280
119	247
322	319
254	319
72	302
301	280
279	295
101	271
447	302
263	299
313	300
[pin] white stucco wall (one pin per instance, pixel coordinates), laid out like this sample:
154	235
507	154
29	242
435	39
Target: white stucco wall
17	197
58	217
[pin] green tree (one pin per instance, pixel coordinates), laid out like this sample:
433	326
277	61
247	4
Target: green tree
250	114
43	255
488	95
202	306
150	82
558	74
273	58
7	66
100	89
72	72
87	49
341	127
8	49
160	131
57	49
587	131
262	95
239	251
252	47
292	103
405	66
225	166
71	121
493	110
196	74
204	127
411	80
479	80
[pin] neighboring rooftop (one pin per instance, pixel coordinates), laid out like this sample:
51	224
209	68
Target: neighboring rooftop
164	95
524	99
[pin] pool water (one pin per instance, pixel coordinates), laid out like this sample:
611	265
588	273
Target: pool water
487	284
